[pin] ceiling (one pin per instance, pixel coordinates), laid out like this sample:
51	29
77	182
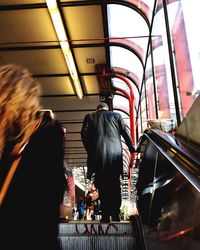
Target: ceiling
28	37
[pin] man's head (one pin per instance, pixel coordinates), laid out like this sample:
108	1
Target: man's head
102	105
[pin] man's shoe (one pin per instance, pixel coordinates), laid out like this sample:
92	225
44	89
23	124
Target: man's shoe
116	218
105	219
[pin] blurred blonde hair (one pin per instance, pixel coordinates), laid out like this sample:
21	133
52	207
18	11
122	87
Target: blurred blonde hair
19	103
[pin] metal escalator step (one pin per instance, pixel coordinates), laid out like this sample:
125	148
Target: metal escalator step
97	236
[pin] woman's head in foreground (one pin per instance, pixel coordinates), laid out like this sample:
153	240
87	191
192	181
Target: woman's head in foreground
19	102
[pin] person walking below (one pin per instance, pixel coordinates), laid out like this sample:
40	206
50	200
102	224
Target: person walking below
101	136
30	201
81	209
88	205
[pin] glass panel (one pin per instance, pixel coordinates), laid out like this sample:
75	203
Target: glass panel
124	25
123	58
143	116
162	70
184	21
150	95
150	3
116	82
192	19
120	102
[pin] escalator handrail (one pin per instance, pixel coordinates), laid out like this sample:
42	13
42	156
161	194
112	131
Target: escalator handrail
187	164
178	145
137	227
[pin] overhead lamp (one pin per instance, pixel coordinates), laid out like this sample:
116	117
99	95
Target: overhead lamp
62	37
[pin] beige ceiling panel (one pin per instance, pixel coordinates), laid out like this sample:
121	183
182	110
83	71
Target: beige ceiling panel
73	144
56	85
91	84
15	2
75	157
84	56
74	128
86	23
77	164
26	26
72	103
37	61
73	136
73	0
70	158
71	116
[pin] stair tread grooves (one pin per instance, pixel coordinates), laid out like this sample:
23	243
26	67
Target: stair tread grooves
95	235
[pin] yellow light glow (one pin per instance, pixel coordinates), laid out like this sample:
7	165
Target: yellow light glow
78	87
51	4
60	31
65	47
57	21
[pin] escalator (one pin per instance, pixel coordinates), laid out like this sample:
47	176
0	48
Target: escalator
93	235
168	197
168	202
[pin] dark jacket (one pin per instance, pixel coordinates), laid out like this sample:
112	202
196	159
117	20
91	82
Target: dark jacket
29	215
101	135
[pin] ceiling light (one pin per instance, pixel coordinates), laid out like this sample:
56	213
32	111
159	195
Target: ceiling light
61	34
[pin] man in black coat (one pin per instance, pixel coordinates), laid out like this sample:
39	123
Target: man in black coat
101	135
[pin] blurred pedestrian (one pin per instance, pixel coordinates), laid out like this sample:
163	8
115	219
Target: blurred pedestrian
81	209
29	209
88	205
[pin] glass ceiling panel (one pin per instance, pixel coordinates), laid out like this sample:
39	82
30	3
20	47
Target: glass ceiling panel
116	82
121	104
128	25
120	84
123	58
150	3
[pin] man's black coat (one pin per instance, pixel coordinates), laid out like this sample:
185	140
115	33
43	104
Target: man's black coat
101	135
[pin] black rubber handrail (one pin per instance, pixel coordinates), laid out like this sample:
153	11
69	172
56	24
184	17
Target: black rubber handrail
188	151
137	228
186	163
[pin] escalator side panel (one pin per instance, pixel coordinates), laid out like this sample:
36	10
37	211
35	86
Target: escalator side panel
170	210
